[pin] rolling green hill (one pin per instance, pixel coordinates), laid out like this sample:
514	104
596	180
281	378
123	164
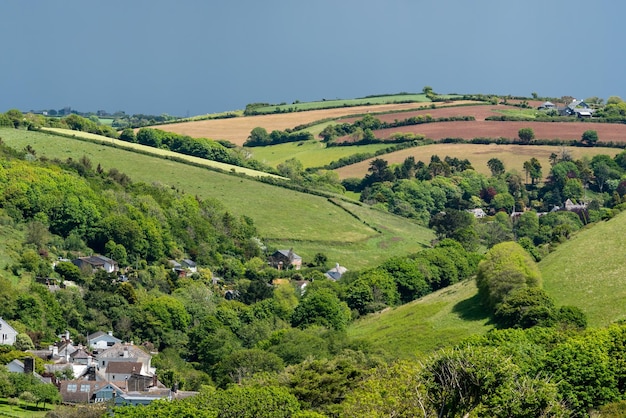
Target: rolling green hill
284	218
437	320
589	271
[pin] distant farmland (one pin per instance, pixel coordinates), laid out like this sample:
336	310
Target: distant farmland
513	156
496	129
237	130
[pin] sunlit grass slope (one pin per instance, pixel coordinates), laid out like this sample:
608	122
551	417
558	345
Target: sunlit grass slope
284	218
589	271
438	320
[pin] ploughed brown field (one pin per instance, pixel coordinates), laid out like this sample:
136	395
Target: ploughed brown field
496	129
237	130
513	156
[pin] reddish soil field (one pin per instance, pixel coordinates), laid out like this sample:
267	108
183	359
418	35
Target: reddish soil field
480	112
237	130
495	129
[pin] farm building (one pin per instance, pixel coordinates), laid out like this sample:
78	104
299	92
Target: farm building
283	259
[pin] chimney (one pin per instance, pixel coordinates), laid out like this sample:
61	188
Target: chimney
29	365
110	333
67	335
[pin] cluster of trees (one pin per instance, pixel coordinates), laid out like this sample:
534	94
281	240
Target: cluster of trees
220	151
259	137
422	191
403	279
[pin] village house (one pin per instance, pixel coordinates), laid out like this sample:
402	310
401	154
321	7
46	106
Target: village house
100	340
7	333
336	272
284	259
576	108
95	262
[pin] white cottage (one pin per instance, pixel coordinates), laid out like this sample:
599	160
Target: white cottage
7	333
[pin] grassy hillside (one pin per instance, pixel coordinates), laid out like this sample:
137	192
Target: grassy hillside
310	224
310	153
145	149
589	271
441	319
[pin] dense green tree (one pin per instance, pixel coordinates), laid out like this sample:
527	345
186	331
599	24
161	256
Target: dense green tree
321	307
243	364
496	166
525	308
505	268
526	135
589	138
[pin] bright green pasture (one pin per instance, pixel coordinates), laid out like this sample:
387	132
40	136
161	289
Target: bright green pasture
162	152
520	113
438	320
325	104
589	271
106	121
310	153
283	217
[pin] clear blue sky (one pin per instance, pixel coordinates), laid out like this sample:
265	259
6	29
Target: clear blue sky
201	56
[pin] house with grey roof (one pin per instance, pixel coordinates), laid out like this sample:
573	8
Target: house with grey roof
284	259
577	108
95	262
101	340
336	272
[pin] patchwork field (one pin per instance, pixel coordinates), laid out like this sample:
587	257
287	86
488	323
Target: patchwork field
478	111
237	130
310	153
513	156
496	129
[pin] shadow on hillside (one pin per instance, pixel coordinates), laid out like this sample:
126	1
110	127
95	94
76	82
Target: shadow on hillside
471	309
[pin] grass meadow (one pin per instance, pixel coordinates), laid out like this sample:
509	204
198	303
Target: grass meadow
324	104
284	218
440	319
161	152
589	271
310	153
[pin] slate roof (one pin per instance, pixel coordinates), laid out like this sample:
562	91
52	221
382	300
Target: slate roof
286	254
123	367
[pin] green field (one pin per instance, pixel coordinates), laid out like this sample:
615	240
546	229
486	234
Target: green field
589	271
438	320
310	224
326	104
310	153
160	152
520	113
106	121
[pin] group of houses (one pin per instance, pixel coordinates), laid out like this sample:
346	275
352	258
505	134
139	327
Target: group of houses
569	206
576	108
105	370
